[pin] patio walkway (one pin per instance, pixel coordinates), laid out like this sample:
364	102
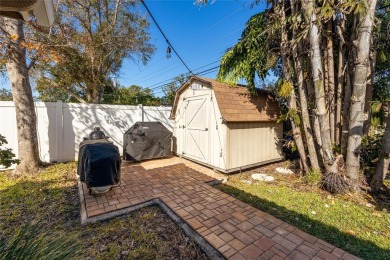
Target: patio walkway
234	229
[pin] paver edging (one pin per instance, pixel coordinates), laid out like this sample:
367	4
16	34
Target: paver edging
83	208
167	199
202	243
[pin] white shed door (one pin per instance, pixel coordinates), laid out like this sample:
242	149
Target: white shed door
196	135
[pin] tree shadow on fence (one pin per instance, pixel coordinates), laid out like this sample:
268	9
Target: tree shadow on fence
349	243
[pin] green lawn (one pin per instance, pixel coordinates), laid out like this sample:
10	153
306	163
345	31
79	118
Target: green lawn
348	222
51	199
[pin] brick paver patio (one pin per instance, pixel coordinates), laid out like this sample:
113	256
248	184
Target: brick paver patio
235	229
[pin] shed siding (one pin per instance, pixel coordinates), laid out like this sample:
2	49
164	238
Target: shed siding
252	143
223	146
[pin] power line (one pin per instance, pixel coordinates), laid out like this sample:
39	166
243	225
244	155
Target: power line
153	74
170	79
159	88
147	67
166	39
215	24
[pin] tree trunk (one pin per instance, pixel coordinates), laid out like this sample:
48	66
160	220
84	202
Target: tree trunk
318	80
384	160
348	87
316	125
357	116
331	88
340	81
292	102
299	67
369	92
298	139
22	95
346	106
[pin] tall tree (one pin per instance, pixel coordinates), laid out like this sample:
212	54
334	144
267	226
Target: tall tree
15	54
91	40
5	94
318	80
133	95
357	117
252	56
171	88
384	159
314	35
297	51
381	94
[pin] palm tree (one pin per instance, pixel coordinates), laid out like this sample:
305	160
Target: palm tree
290	37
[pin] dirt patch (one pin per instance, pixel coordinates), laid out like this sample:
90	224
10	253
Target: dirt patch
147	232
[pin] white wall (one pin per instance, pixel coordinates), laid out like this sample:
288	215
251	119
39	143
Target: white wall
62	126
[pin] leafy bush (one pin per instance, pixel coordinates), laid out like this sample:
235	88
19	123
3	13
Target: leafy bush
6	155
313	177
371	150
31	243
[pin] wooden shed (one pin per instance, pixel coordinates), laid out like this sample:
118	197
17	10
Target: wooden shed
225	127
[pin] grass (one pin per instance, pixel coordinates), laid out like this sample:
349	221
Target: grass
50	198
357	224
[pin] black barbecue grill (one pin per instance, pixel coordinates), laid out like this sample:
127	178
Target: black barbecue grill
147	140
99	163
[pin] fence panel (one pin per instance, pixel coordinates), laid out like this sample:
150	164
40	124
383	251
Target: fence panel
160	114
62	126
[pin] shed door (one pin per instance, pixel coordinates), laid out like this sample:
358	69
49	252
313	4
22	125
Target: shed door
196	135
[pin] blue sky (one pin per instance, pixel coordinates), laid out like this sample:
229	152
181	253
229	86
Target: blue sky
200	34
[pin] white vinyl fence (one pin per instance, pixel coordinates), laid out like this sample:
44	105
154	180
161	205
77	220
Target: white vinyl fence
62	126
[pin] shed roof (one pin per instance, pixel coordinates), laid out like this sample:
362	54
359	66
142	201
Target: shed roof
236	103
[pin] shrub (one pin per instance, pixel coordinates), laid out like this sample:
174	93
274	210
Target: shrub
6	155
313	177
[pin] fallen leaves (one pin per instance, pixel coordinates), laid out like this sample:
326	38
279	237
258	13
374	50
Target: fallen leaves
350	232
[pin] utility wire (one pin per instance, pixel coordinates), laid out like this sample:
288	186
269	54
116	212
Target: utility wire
153	74
170	79
160	90
197	74
215	24
166	39
147	67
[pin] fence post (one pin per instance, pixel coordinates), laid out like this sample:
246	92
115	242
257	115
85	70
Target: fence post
141	106
59	131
